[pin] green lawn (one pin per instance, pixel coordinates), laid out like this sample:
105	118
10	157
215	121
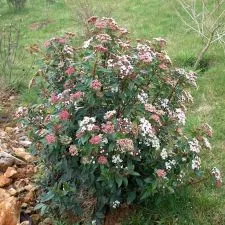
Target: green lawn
203	204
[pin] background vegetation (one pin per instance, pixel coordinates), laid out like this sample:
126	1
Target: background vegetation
41	20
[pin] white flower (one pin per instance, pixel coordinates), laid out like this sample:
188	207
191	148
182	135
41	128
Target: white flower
105	140
87	43
109	114
116	159
169	164
194	145
164	103
180	116
143	97
206	143
115	204
196	163
164	154
216	174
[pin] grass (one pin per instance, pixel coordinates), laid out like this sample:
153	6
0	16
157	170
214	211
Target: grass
203	204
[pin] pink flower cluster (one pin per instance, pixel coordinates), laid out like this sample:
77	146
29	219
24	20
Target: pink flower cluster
102	160
161	173
77	95
64	115
145	53
96	85
69	71
50	138
95	140
108	127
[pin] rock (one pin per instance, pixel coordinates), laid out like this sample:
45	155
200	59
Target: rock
25	223
10	172
29	197
6	160
47	221
9	211
12	191
9	129
21	183
24	205
21	153
25	144
29	187
11	98
4	181
35	218
3	194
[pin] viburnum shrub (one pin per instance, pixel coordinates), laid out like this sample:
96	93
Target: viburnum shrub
110	127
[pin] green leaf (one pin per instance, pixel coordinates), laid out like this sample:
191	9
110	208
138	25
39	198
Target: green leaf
131	197
48	196
119	180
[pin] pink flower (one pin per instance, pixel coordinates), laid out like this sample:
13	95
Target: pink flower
47	44
146	57
77	95
100	24
163	66
54	98
79	134
102	160
100	48
50	138
60	40
69	71
161	173
96	85
95	140
156	118
108	127
92	19
73	150
64	115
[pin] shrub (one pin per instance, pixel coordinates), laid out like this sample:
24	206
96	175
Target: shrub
110	128
17	4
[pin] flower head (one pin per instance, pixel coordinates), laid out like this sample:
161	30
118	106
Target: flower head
102	160
96	85
69	71
95	140
64	115
50	138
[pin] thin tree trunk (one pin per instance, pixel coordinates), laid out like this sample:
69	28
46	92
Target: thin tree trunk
205	49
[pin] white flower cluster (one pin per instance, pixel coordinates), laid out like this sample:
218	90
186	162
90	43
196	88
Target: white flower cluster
180	115
143	97
116	159
87	123
149	138
145	53
181	176
169	164
186	97
115	204
109	114
123	63
164	154
206	143
194	145
216	173
164	103
196	163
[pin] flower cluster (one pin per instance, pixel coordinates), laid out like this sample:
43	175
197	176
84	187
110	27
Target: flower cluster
111	120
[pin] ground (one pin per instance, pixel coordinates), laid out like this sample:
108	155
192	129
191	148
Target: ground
202	204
